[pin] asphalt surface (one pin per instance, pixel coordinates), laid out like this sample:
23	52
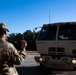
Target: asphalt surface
30	67
28	70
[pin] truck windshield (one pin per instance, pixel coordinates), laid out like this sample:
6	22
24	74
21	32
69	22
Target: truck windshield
48	33
67	32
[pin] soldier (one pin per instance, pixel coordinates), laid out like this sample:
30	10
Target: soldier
9	56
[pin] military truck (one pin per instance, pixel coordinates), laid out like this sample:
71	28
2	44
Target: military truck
56	44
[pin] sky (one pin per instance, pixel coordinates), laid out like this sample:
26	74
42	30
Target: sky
23	15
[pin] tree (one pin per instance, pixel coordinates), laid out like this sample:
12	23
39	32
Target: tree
28	36
15	38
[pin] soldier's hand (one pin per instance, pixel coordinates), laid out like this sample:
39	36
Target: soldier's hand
24	43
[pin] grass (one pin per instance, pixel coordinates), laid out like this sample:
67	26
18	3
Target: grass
32	52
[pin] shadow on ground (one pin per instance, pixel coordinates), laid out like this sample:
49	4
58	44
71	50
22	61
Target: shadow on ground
28	70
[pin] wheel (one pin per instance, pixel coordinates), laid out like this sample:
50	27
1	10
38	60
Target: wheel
44	70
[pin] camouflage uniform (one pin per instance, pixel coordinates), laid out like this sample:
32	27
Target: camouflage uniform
8	59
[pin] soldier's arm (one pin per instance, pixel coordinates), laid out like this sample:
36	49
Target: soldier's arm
18	57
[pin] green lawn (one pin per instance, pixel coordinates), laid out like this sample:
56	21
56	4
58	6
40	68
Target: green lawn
32	52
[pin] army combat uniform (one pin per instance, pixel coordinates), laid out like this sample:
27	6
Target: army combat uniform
8	59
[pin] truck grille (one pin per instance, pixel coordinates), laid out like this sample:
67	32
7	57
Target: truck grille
56	51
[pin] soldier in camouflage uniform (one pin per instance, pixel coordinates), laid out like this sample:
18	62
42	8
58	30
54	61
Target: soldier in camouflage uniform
9	56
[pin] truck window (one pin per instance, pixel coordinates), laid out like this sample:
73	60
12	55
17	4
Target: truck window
48	33
67	32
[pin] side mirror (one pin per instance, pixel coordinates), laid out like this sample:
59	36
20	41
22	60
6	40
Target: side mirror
34	36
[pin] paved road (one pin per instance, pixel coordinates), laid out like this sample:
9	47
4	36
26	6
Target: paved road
30	67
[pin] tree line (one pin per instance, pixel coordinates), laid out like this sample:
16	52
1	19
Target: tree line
15	38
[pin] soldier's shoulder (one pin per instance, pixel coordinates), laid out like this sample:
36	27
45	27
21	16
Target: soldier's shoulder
10	44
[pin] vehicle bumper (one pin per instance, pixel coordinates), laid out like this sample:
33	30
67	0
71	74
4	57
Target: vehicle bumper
67	63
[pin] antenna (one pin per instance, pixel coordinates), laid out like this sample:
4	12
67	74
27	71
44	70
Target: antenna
49	16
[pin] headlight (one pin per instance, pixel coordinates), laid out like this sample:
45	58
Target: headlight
74	61
40	59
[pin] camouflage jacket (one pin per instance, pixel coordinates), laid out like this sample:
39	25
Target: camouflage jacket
8	59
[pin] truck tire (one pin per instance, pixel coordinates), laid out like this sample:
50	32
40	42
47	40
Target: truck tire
44	70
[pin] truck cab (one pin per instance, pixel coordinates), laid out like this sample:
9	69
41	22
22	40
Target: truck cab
56	44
